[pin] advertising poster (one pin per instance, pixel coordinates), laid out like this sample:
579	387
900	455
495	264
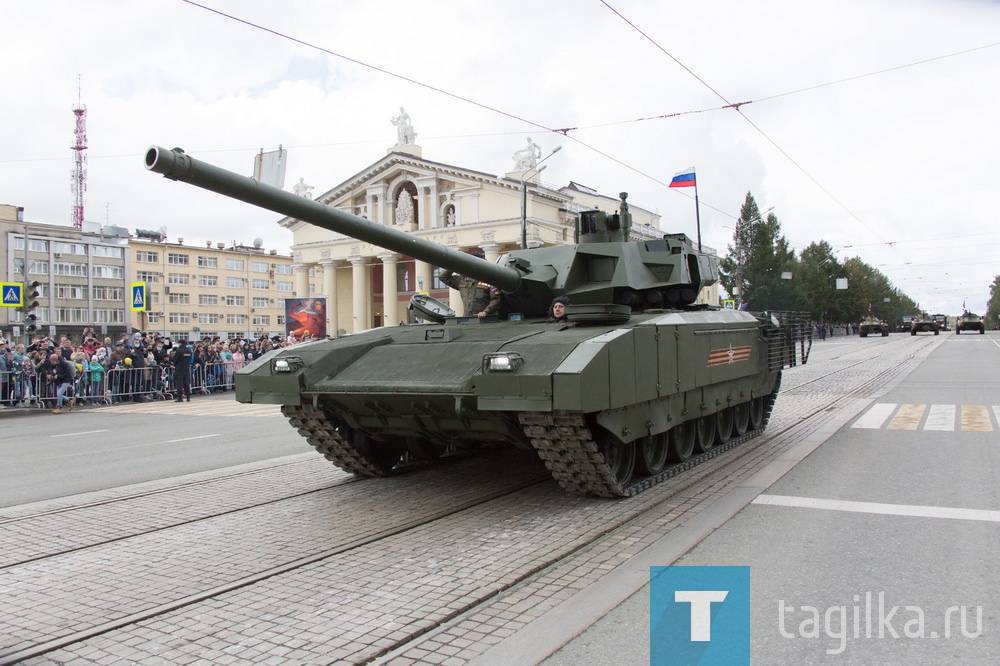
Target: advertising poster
305	317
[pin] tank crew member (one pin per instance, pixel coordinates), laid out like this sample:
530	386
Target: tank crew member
478	297
557	311
181	359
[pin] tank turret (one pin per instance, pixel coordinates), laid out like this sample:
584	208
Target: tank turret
603	267
636	386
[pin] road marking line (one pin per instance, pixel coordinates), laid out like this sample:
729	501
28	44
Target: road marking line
188	439
879	508
876	416
74	434
976	418
941	417
908	418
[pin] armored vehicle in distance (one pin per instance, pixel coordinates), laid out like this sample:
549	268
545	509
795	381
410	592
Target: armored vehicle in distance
873	326
970	322
942	321
638	384
920	325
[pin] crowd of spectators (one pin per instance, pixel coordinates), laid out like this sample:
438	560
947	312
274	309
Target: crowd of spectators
136	367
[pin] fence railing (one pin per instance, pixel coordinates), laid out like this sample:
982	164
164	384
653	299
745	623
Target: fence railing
115	385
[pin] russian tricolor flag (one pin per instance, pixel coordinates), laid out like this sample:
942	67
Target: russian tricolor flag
684	179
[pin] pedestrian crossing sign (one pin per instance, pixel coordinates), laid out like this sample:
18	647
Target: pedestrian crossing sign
13	294
138	296
729	304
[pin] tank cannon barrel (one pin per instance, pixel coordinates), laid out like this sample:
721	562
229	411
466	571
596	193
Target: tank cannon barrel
176	165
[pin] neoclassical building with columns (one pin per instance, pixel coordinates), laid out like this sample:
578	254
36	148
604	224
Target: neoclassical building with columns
367	286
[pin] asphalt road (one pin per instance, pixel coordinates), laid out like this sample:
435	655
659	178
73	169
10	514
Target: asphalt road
46	455
897	510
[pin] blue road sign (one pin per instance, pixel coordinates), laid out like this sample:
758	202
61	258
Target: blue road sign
138	296
13	294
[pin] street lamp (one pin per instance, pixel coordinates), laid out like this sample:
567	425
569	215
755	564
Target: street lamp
524	196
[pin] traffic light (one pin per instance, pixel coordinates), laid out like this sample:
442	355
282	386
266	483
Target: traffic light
30	303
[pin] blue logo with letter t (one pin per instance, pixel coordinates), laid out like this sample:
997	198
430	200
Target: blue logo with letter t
699	615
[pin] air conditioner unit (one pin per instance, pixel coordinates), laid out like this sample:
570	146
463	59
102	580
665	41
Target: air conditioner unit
57	255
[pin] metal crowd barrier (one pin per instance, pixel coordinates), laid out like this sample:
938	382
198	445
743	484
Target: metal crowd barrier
114	386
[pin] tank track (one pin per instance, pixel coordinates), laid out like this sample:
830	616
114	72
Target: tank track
569	450
319	431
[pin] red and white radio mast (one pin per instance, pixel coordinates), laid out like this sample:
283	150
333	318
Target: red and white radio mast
79	183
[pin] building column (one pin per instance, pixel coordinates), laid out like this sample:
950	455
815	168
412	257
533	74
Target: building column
301	280
330	291
491	251
424	275
390	290
359	298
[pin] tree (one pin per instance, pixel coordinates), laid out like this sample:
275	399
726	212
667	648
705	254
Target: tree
756	260
993	306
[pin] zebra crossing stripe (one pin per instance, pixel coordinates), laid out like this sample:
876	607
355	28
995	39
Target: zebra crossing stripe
976	418
907	418
876	416
941	417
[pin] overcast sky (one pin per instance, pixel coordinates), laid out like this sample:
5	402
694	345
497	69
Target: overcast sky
872	124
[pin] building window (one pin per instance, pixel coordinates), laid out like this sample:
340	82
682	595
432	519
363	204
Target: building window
281	320
236	301
69	248
71	315
208	318
147	257
179	318
260	302
178	259
33	245
109	272
208	281
148	277
35	267
261	320
208	262
179	299
102	316
109	294
259	284
106	251
234	264
284	286
258	266
236	319
403	277
437	279
70	291
283	269
63	268
234	282
152	318
178	278
208	299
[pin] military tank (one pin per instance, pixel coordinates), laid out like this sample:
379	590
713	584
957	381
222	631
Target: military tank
921	325
638	384
873	326
969	322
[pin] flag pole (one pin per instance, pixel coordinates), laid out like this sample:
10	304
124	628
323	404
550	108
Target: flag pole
697	214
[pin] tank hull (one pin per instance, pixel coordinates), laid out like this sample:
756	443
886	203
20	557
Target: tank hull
381	395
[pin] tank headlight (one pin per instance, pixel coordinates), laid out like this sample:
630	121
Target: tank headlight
502	362
286	364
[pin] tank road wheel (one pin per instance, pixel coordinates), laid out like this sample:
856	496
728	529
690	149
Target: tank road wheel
421	449
381	455
756	412
741	418
652	455
936	331
620	459
723	425
704	428
682	441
